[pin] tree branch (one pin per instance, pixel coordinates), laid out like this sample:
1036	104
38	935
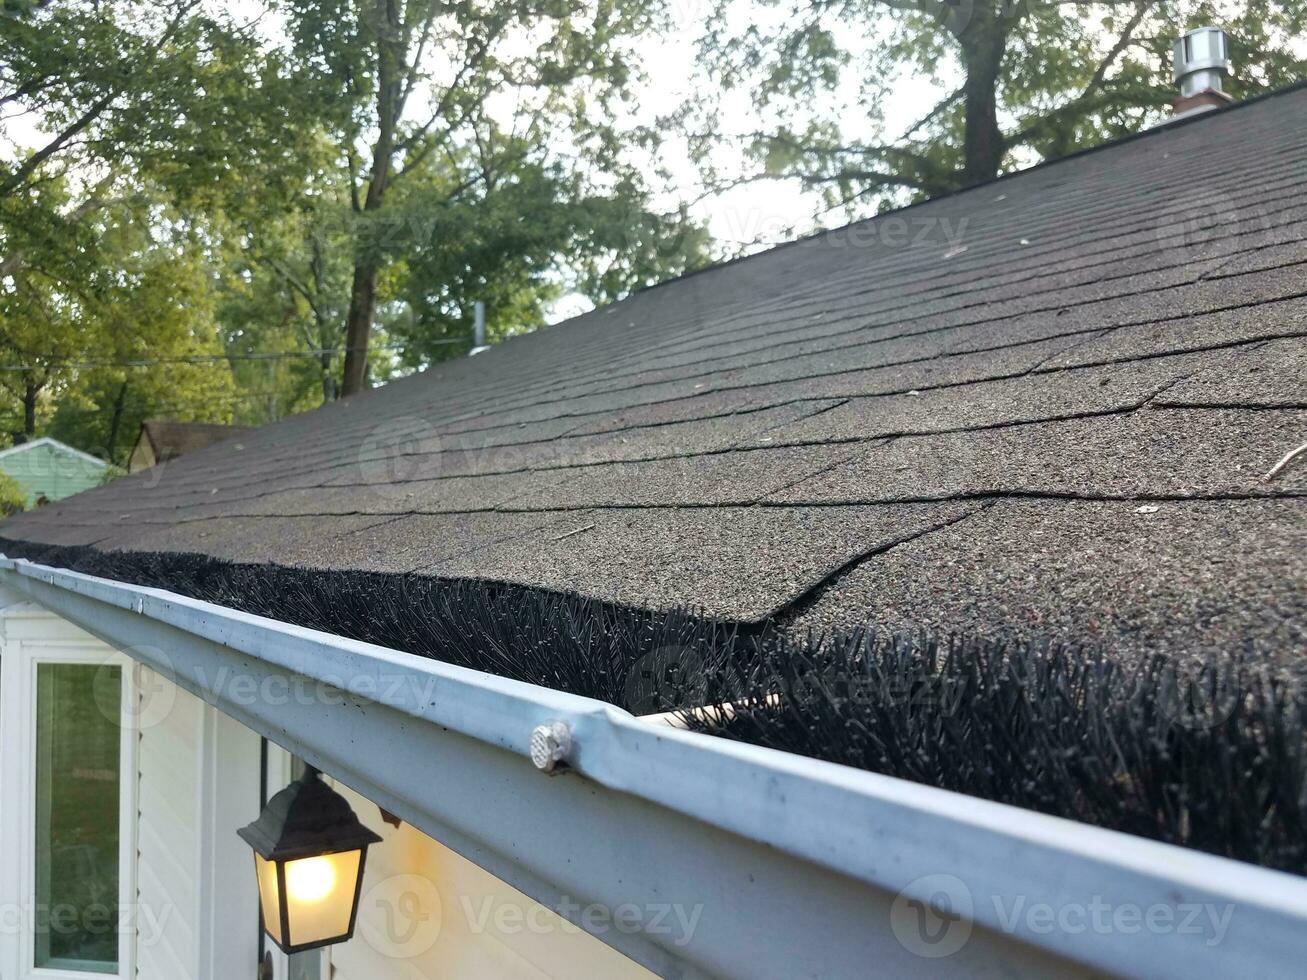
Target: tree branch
1093	88
96	109
934	113
295	282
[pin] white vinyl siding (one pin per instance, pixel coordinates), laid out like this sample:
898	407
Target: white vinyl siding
229	921
199	775
190	778
168	835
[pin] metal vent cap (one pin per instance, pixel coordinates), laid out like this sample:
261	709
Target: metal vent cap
1201	60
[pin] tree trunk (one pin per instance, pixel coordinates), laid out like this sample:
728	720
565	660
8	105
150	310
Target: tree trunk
115	423
30	392
329	387
983	46
367	263
326	334
358	326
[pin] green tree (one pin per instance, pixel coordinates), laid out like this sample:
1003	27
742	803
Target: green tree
526	233
1024	80
196	186
137	90
141	340
43	299
154	126
287	291
13	498
464	100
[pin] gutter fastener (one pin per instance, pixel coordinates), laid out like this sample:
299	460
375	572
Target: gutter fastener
550	745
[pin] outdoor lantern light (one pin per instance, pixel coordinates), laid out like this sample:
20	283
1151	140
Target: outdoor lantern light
309	850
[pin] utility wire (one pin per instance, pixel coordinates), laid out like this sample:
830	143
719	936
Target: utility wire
229	398
206	358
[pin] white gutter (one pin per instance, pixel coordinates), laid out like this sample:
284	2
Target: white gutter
792	867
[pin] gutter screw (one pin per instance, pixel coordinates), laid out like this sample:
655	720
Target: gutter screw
550	745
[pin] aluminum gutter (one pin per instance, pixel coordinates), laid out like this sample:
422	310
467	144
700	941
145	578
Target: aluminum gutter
793	867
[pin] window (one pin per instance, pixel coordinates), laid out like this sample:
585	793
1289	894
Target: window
67	755
78	785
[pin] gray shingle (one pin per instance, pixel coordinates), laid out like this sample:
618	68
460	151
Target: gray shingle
732	562
1149	453
1186	577
1270	374
1109	326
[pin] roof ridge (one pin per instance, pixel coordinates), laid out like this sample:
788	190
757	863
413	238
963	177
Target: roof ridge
1164	127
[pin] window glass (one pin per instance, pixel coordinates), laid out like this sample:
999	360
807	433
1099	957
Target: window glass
77	813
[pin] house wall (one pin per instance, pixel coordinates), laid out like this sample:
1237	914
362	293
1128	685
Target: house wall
168	830
428	912
191	779
46	470
142	457
197	781
30	636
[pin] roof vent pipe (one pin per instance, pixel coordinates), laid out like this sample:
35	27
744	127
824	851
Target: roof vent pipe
478	327
1202	62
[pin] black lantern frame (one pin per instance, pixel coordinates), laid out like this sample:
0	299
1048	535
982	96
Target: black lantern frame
307	819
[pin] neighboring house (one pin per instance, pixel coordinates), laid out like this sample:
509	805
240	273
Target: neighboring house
48	468
160	442
1042	407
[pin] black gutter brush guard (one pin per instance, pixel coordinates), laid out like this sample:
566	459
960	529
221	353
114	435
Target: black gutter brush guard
1207	755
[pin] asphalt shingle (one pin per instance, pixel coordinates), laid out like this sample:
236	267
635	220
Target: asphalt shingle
1045	404
1182	577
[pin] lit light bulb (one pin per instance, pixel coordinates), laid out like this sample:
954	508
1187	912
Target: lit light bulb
310	879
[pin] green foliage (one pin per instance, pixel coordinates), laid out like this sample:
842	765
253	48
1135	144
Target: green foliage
13	498
111	473
155	119
515	125
142	86
183	231
1026	81
517	244
124	333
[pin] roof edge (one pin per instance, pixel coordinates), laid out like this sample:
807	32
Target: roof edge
796	826
1165	126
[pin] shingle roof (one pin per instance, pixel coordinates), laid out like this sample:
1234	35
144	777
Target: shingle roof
1043	405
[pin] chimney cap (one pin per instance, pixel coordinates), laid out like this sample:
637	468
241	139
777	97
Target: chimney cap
1201	57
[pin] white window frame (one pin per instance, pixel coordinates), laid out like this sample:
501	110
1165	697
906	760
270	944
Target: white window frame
29	637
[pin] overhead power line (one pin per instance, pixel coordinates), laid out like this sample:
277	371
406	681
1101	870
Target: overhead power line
52	361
